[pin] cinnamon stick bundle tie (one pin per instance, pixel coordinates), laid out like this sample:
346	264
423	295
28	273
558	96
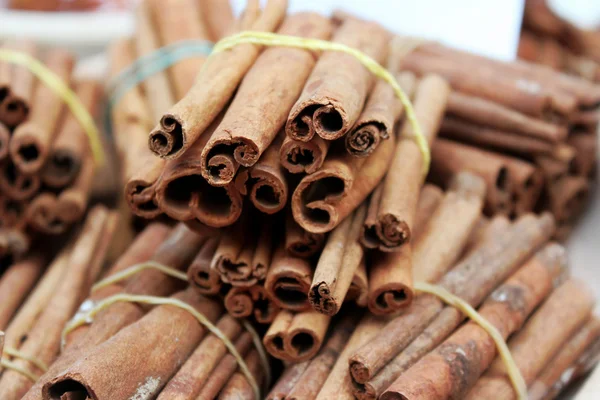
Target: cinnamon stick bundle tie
134	269
511	367
84	318
11	365
50	79
10	351
274	39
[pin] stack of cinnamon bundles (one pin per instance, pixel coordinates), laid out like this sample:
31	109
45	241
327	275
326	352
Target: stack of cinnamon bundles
46	165
550	40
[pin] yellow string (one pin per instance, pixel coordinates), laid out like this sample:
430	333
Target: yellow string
18	354
134	269
83	319
52	81
511	367
11	365
274	39
264	359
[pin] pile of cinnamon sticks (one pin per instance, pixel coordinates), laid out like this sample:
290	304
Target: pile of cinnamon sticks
46	166
550	40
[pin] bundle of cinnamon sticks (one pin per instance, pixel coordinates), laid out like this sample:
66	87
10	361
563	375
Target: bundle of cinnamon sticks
46	165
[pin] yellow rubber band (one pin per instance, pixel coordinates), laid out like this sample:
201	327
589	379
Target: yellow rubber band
52	81
134	269
274	39
83	319
17	354
511	367
11	365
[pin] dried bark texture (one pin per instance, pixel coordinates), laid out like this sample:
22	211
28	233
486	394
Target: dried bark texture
251	301
378	119
238	387
448	158
429	200
15	106
296	337
337	265
297	156
545	333
216	82
299	242
446	233
585	146
528	182
288	281
456	364
391	218
15	184
157	358
31	142
567	198
263	101
337	88
287	381
205	279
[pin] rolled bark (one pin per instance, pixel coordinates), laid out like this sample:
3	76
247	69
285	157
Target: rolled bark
288	281
267	181
429	200
225	369
205	279
287	381
585	146
528	182
337	88
485	230
4	140
216	82
299	242
567	198
296	337
12	213
561	366
310	383
448	230
15	184
491	138
43	340
218	18
270	88
377	120
337	265
297	156
71	143
238	387
375	366
488	113
15	107
16	283
188	381
392	217
157	359
13	244
176	21
243	259
545	333
470	350
31	142
358	291
254	301
448	158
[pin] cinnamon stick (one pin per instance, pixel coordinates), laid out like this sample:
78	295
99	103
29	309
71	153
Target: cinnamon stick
470	350
32	140
218	18
359	287
12	213
4	139
528	182
188	381
299	242
429	199
15	184
392	217
585	146
287	380
71	143
491	138
337	88
436	250
288	281
449	157
238	387
562	364
205	279
243	302
297	156
182	124
310	383
156	358
567	198
296	337
377	120
225	369
13	244
270	88
546	331
337	265
15	107
375	366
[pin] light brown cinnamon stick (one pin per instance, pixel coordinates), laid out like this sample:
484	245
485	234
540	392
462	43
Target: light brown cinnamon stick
182	124
254	301
15	184
205	279
296	337
218	18
270	88
358	291
528	182
288	281
297	156
392	217
585	146
287	381
429	199
567	198
15	107
337	88
238	387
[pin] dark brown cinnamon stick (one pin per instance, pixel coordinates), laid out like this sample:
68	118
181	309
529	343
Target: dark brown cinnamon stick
15	107
287	381
301	243
297	156
288	281
254	301
205	279
15	184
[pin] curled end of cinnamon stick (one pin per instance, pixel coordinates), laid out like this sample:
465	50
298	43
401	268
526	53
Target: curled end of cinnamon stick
220	169
269	193
13	110
168	139
392	232
360	372
364	391
43	215
17	185
329	122
298	157
140	196
300	127
303	344
289	290
322	301
61	169
362	141
26	151
239	303
68	387
389	298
